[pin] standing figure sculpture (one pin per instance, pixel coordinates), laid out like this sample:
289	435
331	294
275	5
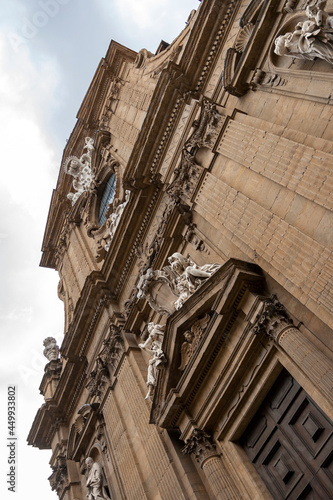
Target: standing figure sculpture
95	480
153	345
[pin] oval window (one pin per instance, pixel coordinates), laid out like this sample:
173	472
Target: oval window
107	198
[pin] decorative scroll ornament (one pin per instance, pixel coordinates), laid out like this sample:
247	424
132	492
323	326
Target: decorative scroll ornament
312	38
51	351
272	319
59	477
103	236
80	169
168	289
201	446
105	362
153	345
192	339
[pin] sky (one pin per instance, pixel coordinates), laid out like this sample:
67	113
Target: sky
49	51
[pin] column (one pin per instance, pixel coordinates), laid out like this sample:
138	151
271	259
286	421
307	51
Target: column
274	321
213	465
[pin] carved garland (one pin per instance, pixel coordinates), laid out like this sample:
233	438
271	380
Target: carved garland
59	477
105	362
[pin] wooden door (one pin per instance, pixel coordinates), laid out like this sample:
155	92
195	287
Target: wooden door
290	443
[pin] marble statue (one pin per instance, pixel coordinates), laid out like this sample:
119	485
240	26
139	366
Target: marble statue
167	289
95	480
51	351
312	38
80	169
189	276
153	345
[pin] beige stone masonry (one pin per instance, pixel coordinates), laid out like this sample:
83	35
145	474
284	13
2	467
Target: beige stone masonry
150	449
300	168
281	246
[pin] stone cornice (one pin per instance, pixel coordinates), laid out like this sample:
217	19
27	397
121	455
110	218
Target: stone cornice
94	296
57	409
85	126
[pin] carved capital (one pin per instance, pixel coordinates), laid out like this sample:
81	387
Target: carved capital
272	319
201	445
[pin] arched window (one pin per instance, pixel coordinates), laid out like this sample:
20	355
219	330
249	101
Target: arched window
107	198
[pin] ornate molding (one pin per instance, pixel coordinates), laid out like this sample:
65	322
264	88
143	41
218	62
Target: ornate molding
266	79
195	240
201	445
115	87
272	319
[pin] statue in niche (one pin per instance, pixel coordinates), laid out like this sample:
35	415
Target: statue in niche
80	169
312	38
153	345
51	351
95	481
189	276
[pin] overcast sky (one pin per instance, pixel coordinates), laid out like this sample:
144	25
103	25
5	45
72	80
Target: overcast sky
49	51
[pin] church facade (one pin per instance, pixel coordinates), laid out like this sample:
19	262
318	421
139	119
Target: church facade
191	227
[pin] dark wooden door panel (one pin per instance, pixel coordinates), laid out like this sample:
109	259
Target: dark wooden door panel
290	442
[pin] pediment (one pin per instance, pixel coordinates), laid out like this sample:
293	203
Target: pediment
206	319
